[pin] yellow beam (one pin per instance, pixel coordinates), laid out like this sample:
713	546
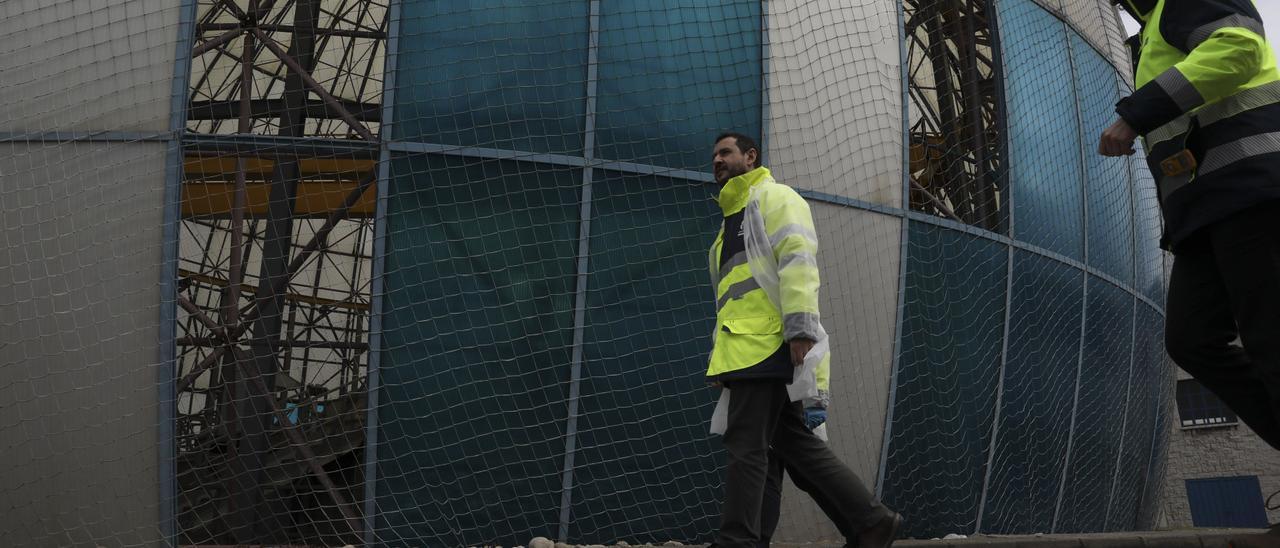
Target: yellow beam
214	167
314	198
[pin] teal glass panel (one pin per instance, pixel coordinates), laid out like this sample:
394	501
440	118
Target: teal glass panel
1107	180
674	74
1040	377
948	374
506	75
647	469
1099	421
476	350
1149	227
1045	166
1141	417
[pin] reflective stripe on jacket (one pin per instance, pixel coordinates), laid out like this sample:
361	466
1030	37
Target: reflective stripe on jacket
1207	84
769	293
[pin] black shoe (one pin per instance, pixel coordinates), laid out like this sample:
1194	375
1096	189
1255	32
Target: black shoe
881	535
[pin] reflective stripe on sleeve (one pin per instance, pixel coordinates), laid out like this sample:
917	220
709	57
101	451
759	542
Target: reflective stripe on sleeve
791	230
801	324
793	259
1179	88
1204	32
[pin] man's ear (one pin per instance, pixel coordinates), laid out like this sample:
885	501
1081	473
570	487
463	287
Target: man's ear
753	158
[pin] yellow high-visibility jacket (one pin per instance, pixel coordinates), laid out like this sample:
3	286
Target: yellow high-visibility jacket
768	293
1208	106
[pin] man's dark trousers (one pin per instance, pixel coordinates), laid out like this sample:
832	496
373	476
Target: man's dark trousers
761	415
1226	283
771	510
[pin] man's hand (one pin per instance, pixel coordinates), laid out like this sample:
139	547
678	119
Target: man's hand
799	348
1117	140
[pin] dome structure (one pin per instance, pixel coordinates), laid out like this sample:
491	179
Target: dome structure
408	273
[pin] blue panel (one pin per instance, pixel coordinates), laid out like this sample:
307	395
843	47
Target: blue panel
948	372
498	75
1039	386
1104	379
478	328
1145	397
673	74
1163	380
1148	227
1044	134
647	471
1227	502
1110	203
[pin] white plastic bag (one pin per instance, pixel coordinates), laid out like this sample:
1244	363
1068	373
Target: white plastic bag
720	417
821	432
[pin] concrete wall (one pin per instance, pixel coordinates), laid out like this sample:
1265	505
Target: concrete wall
1217	452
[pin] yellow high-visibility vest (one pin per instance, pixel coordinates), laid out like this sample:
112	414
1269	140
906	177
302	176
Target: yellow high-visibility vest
769	293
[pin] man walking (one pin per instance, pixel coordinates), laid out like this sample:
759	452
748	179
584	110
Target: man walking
1208	106
765	275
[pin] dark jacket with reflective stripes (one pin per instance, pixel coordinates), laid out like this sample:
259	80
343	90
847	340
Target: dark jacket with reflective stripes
1208	107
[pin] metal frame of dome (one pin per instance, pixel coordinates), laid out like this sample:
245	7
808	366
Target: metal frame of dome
957	129
284	107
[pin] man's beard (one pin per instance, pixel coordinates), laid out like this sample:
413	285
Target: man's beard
730	172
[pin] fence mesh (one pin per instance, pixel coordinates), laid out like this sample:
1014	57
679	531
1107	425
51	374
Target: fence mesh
411	273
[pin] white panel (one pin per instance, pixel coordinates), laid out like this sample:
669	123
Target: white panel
79	312
834	94
86	65
859	259
1090	19
1118	52
1097	23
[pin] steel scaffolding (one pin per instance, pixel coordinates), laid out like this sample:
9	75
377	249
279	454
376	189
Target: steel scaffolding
957	119
280	152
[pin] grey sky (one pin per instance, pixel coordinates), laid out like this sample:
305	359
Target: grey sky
1270	10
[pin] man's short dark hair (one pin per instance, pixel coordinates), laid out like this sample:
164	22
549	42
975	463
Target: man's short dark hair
744	143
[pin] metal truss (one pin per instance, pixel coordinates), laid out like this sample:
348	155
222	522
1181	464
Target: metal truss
272	367
957	120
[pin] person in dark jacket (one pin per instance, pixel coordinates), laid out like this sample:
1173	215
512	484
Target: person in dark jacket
1207	104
